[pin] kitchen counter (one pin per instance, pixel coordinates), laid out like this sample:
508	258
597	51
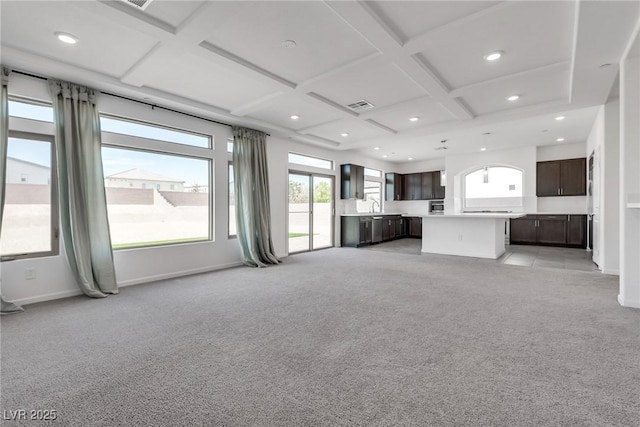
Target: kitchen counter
372	214
479	235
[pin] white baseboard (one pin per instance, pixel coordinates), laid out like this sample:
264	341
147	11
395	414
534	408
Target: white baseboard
175	274
628	303
47	297
611	272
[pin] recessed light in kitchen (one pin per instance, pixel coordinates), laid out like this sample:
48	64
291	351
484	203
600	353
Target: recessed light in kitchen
483	148
410	158
289	44
294	117
559	139
560	118
384	156
66	38
414	119
513	98
492	56
376	148
344	134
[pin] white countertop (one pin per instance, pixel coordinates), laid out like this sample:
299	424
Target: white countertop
372	214
483	215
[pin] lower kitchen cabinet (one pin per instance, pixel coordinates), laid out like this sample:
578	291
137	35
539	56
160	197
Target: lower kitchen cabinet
358	230
550	230
414	226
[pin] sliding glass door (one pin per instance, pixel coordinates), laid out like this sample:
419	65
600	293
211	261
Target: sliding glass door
310	212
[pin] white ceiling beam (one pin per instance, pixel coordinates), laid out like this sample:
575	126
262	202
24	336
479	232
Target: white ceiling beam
421	42
365	21
533	72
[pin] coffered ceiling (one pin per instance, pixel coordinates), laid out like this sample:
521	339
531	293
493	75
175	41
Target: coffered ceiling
257	63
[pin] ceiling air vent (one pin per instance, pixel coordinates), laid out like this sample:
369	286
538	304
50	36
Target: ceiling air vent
361	105
138	4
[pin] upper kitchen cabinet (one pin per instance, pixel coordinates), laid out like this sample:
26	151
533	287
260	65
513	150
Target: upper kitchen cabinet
352	181
566	177
412	186
431	186
393	186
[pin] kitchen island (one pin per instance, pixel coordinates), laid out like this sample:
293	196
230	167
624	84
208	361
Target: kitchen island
480	235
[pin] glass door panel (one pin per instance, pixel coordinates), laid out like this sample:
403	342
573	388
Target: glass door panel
322	212
299	213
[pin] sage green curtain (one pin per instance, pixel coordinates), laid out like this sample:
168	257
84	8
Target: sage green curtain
83	207
251	184
6	307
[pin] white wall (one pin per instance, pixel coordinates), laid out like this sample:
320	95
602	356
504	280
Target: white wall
630	175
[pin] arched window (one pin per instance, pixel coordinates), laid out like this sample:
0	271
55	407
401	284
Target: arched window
493	188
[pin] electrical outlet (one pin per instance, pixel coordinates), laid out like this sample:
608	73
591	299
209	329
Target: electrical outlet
30	273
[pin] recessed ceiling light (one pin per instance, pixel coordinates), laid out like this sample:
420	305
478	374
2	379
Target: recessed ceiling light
410	158
66	38
376	148
559	139
289	44
294	117
513	98
414	119
483	149
492	56
344	134
560	118
385	156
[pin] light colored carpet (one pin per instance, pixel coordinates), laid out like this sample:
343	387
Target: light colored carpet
339	337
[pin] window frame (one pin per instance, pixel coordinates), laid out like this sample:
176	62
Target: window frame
229	235
319	168
54	205
463	183
154	146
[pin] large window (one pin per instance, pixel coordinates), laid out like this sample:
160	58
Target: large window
30	221
493	188
232	203
156	197
126	127
30	217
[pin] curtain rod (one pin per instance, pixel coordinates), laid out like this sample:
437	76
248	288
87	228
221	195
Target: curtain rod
35	76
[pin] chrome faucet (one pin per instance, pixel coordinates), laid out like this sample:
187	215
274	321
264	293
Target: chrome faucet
375	202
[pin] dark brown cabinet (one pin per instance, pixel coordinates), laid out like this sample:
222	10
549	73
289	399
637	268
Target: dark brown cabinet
357	230
393	186
352	181
414	226
550	230
524	230
431	186
577	231
412	186
566	177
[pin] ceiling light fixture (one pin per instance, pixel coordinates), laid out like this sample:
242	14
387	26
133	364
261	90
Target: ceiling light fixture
483	148
289	44
414	119
384	156
66	38
559	139
376	148
560	118
410	158
344	134
294	117
513	98
492	56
